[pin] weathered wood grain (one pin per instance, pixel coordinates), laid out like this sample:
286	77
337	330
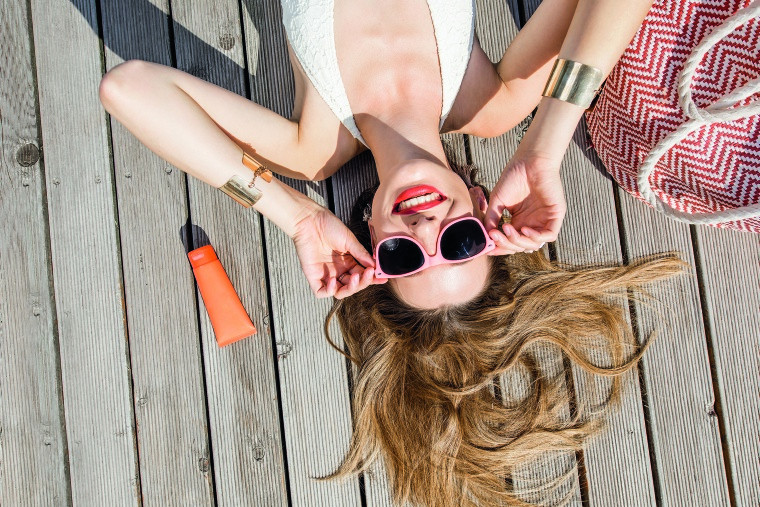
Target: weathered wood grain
676	369
84	240
496	26
167	372
729	262
313	377
617	462
33	454
248	462
241	382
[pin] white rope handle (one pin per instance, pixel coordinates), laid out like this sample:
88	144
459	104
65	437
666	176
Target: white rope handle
720	111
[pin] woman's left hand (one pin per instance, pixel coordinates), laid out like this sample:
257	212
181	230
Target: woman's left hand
333	260
530	189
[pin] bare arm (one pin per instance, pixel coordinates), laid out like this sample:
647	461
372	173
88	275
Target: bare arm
203	129
597	33
593	32
526	63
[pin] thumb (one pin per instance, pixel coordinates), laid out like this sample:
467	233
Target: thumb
493	214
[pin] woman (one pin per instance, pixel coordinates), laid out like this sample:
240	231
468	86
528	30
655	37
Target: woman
457	311
204	129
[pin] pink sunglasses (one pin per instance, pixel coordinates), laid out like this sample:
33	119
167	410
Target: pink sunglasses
460	240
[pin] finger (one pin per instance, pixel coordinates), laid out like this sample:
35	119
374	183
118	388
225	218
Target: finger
534	235
367	277
359	252
524	243
503	247
358	282
317	287
541	236
552	228
508	235
327	288
344	277
493	215
321	293
355	284
351	281
358	268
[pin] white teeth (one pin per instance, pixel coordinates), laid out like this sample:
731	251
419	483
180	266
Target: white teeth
415	201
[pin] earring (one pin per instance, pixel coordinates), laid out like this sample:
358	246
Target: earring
367	214
506	217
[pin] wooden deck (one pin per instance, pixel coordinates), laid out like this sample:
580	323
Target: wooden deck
112	388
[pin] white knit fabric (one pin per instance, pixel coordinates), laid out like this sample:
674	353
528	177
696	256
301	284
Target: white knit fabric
309	27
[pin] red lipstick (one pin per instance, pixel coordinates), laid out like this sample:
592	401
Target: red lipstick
417	191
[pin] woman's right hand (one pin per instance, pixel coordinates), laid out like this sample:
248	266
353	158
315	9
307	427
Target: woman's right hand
530	189
333	260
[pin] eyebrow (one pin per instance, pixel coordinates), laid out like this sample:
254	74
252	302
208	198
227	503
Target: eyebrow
455	264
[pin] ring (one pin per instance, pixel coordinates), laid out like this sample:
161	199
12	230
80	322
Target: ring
340	278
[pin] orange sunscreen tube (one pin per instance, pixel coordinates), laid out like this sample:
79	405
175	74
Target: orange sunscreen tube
228	317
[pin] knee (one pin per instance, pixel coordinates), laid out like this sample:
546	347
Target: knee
121	81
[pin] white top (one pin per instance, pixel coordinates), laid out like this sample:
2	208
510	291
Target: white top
309	27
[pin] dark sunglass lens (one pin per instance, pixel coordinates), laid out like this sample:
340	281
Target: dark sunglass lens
462	240
399	256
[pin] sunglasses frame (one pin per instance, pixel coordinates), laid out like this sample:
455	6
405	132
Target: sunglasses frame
438	258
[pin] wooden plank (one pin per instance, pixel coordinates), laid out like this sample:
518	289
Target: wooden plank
496	26
676	369
313	377
249	465
617	462
729	263
163	332
85	254
33	455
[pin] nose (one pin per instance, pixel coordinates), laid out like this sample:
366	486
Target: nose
425	229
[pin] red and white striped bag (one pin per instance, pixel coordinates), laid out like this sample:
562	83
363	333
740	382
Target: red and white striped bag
678	121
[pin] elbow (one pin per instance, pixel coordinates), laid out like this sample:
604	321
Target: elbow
118	83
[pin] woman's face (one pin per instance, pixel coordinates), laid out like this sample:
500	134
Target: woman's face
395	213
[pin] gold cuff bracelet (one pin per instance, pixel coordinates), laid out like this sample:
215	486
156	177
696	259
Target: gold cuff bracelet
237	188
257	168
244	192
573	82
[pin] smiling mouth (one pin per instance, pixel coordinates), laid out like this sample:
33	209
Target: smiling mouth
416	199
417	204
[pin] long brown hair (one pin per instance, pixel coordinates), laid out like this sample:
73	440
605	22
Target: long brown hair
423	395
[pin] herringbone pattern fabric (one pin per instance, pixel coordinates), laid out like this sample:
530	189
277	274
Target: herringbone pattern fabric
715	168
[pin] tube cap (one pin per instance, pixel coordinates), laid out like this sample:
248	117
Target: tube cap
201	256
